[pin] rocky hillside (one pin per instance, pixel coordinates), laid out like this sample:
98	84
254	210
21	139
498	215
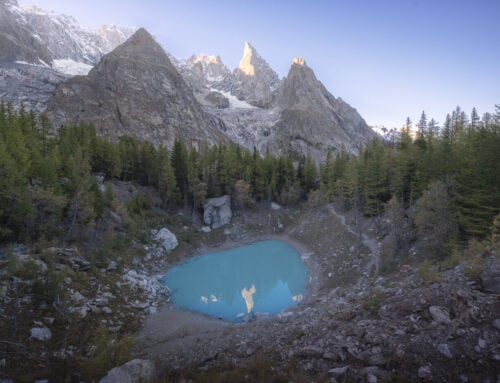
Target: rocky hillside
413	324
135	90
30	85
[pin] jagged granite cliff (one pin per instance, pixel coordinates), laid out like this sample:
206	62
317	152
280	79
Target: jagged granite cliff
295	115
203	71
254	81
135	90
312	119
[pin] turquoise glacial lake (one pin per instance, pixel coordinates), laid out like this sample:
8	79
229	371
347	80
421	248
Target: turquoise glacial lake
262	278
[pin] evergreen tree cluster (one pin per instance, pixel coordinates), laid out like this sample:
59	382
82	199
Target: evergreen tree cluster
463	155
48	183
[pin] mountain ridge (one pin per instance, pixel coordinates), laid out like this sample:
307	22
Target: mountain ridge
54	36
135	90
250	105
39	50
302	118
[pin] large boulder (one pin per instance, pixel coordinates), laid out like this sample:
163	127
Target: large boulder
440	314
134	371
217	212
490	279
41	333
165	241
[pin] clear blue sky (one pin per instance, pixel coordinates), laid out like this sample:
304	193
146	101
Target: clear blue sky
388	58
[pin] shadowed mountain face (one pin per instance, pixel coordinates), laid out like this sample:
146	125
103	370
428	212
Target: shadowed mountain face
312	120
135	90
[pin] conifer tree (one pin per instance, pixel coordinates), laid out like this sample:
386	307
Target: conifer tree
179	159
435	219
310	174
12	190
167	183
327	176
474	119
421	131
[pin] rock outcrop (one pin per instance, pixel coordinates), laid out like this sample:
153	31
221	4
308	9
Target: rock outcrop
165	241
42	334
203	71
217	100
254	81
490	279
134	371
217	212
135	90
29	85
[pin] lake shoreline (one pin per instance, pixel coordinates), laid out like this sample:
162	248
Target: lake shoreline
171	327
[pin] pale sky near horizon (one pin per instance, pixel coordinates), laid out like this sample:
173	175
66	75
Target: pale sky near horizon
389	59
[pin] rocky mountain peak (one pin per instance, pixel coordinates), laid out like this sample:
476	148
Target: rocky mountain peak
32	35
135	90
254	81
114	35
141	37
140	45
300	85
34	9
250	55
315	119
299	61
202	71
206	59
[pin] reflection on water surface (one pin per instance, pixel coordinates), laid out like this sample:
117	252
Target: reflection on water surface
265	277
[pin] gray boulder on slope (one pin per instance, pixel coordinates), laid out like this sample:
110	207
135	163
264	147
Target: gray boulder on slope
217	212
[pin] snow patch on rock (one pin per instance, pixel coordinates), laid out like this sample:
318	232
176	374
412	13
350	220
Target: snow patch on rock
72	67
234	102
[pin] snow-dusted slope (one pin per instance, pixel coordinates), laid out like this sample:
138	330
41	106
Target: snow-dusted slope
30	34
39	49
202	71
